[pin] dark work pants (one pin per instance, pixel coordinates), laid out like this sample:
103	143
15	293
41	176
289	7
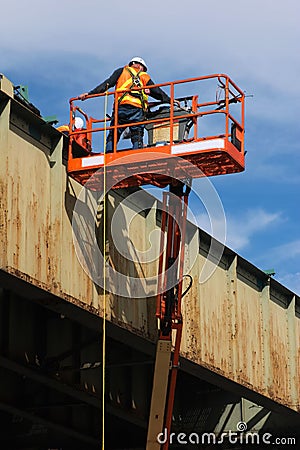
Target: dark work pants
127	114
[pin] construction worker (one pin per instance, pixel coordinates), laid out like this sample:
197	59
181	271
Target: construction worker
78	125
132	105
80	138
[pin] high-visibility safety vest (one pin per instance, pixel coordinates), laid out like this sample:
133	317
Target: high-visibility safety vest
128	79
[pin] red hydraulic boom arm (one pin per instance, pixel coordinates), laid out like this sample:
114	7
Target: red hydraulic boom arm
168	311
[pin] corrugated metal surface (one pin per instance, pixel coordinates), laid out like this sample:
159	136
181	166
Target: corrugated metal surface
238	323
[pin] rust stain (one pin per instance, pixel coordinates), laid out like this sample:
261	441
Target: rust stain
222	330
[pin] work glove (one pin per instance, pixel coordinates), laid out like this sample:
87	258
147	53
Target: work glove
83	96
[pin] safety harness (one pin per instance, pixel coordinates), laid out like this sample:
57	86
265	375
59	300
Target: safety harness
136	82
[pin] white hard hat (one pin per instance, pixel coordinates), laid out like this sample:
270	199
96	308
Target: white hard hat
139	60
79	123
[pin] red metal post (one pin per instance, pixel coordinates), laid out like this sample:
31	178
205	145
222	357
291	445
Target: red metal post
169	303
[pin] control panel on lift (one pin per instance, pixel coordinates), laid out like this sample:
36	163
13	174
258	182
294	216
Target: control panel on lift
206	131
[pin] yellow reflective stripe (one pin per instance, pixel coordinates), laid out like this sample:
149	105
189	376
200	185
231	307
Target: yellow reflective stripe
124	85
126	97
141	92
132	100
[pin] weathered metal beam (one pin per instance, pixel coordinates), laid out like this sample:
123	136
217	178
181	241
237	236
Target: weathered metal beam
86	398
234	327
34	418
35	375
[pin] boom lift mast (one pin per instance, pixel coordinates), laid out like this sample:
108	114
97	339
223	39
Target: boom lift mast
216	153
168	310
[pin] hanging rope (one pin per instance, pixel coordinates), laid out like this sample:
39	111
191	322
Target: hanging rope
104	275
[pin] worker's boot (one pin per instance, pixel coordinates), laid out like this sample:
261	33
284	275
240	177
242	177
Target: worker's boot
137	144
137	138
109	146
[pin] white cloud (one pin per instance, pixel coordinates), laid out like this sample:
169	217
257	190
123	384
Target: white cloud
285	251
274	171
241	228
284	258
291	281
253	41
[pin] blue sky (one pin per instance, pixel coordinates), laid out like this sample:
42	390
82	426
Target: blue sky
63	48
